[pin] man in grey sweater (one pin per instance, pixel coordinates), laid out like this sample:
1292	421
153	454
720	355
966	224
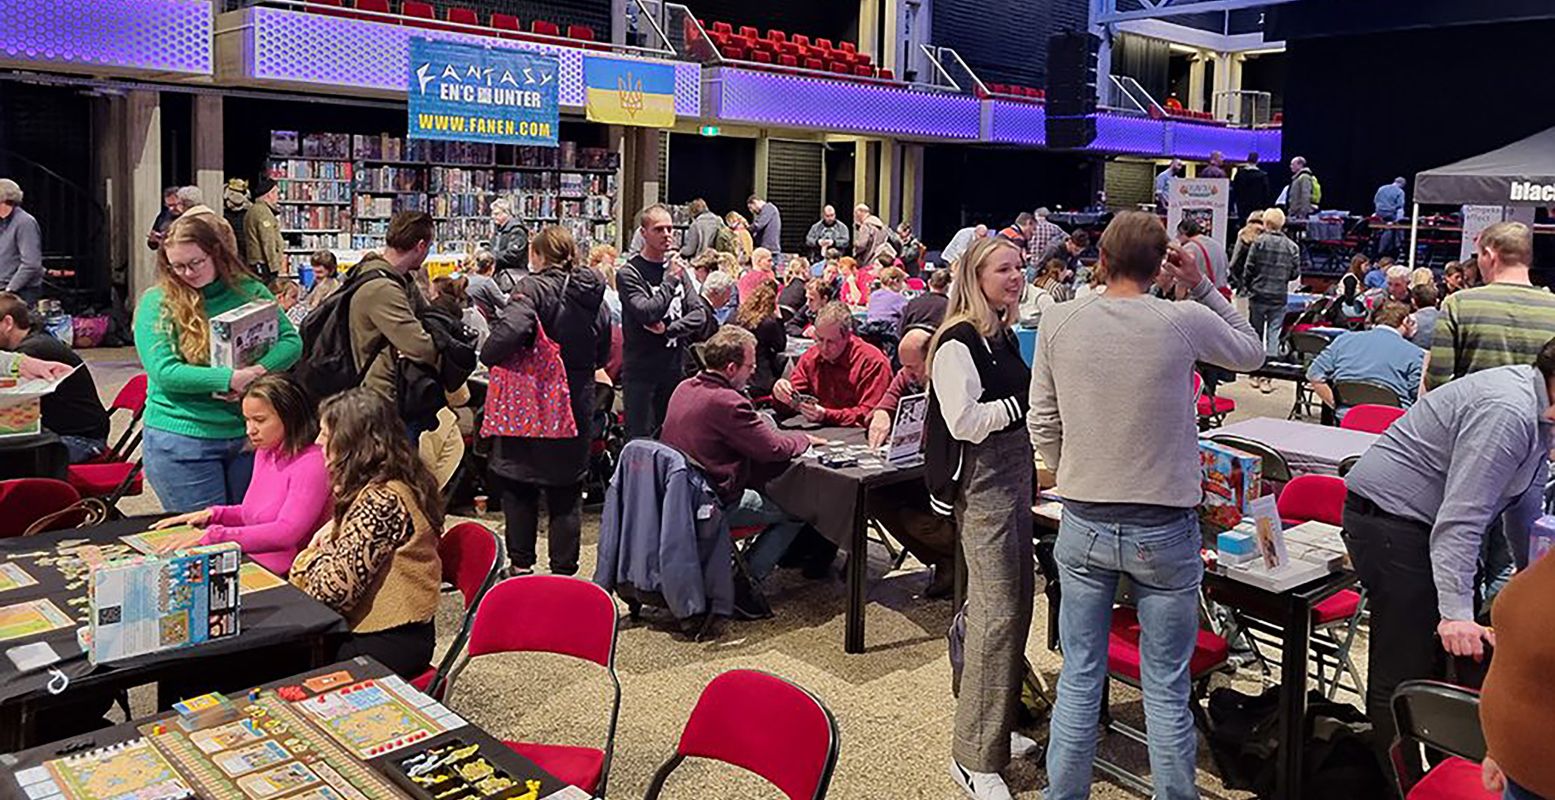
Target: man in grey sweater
1420	502
1112	409
21	246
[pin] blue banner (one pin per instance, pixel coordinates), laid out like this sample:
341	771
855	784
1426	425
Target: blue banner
471	93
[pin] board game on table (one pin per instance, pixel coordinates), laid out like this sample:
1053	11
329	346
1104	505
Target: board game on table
349	731
44	601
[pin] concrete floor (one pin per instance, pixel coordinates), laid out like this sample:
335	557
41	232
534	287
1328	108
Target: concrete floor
893	703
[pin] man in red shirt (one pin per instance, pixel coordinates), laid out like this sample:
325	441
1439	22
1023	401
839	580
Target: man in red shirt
840	380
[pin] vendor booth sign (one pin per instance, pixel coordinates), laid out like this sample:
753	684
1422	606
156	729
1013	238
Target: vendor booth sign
1207	200
629	92
471	93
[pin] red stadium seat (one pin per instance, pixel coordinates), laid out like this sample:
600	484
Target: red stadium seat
777	35
815	64
824	44
847	47
887	75
580	32
506	22
761	57
329	8
862	59
412	8
373	6
800	39
464	16
864	71
545	28
841	68
723	27
749	32
788	60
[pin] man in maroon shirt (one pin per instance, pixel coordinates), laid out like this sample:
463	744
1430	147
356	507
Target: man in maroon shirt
840	379
904	510
714	424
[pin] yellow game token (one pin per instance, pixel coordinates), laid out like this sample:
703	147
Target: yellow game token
476	770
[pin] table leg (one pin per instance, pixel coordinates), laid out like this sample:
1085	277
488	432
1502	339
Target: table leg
858	576
1293	701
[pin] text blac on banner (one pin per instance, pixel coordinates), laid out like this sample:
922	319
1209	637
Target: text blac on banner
471	93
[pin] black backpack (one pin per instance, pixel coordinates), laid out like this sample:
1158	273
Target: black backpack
328	364
422	389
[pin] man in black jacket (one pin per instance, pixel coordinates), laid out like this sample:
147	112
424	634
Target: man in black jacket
1249	189
927	310
660	313
73	412
510	245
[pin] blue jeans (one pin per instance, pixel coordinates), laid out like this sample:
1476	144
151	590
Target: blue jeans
1515	792
1267	319
190	474
782	528
81	448
1163	564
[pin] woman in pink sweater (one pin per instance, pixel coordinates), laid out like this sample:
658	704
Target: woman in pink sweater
289	496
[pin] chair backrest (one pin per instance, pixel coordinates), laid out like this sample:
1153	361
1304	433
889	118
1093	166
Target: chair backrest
24	501
1307	345
1357	393
464	16
1348	464
505	22
472	558
1313	497
132	396
545	28
1275	468
580	32
376	6
546	614
411	8
1370	418
767	725
1438	715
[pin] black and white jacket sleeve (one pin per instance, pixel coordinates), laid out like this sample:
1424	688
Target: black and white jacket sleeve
958	386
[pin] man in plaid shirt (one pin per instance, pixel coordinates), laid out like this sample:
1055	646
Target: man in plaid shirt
1041	239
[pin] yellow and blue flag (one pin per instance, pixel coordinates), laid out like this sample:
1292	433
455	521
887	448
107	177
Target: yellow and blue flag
624	92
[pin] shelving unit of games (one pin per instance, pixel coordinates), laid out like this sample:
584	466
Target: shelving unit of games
339	190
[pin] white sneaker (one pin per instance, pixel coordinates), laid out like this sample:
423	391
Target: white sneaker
979	785
1023	746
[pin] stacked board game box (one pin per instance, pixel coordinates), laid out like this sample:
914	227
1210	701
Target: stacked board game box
145	604
242	336
1232	480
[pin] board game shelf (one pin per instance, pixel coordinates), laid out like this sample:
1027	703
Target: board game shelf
347	187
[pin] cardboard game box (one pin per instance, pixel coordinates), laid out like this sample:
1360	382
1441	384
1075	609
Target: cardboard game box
144	604
242	336
1232	480
20	411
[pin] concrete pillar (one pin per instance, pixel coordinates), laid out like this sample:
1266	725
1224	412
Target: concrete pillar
1195	99
869	27
912	189
866	173
639	176
885	191
890	46
110	177
142	149
1222	63
763	152
209	145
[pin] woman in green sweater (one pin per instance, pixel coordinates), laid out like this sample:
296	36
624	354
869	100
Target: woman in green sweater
194	440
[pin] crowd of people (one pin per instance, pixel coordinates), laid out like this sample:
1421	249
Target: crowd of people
316	458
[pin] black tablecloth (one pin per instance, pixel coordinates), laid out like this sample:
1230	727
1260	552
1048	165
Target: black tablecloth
279	616
360	668
41	455
828	498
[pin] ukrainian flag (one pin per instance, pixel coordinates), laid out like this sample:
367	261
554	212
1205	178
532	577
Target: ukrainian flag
624	92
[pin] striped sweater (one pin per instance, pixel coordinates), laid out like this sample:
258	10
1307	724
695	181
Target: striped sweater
1491	326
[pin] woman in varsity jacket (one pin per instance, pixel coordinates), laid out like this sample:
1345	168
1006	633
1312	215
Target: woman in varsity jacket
978	458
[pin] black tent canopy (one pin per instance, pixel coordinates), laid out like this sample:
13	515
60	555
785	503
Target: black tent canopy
1519	174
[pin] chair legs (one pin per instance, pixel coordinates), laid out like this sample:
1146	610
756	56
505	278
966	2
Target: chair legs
1130	780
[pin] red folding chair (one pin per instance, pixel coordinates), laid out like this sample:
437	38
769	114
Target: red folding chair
1337	620
763	724
113	475
1370	418
507	24
24	501
561	615
1210	655
472	558
1442	717
1212	410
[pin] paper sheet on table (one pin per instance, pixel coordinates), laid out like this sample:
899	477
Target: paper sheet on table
31	389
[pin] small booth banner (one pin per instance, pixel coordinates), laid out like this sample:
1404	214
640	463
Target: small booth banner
528	397
473	93
629	92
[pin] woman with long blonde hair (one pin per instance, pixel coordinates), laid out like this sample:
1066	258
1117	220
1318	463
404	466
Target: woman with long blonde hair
744	243
194	444
976	469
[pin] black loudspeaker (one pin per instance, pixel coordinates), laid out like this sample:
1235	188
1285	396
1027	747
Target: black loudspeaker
1064	133
1071	73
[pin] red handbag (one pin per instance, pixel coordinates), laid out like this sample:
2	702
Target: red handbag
528	397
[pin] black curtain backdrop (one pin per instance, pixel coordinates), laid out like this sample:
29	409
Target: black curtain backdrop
1364	109
1145	60
983	185
718	169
